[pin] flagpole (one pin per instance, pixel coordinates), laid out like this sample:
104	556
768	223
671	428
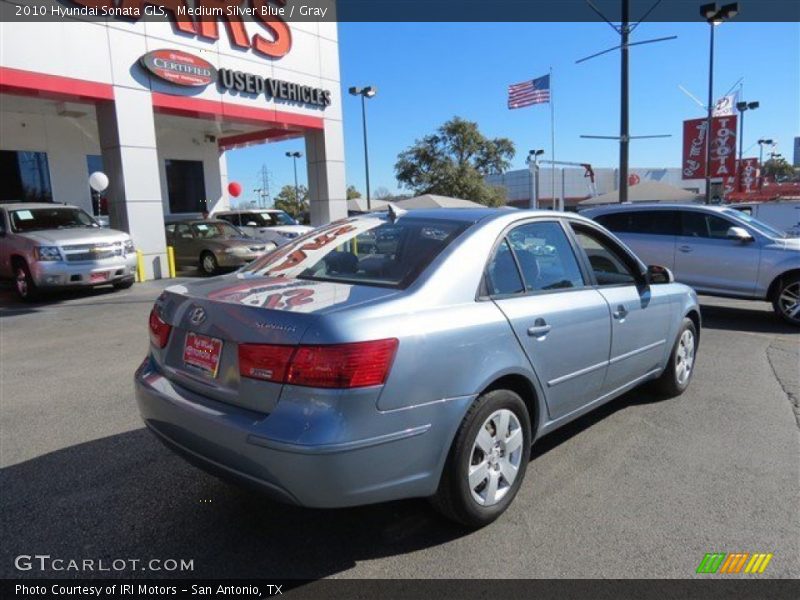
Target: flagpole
552	143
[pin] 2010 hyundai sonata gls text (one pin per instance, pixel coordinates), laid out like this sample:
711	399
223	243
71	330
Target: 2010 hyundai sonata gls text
329	374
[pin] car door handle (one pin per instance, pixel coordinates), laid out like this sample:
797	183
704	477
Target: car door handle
685	248
620	313
540	328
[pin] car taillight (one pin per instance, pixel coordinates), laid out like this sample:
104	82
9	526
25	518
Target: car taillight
159	330
260	361
360	364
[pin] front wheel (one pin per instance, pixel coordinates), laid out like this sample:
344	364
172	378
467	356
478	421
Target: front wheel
680	368
23	283
208	263
787	300
487	460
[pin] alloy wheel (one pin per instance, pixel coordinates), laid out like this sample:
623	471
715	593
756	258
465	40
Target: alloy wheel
21	282
495	458
684	359
209	264
789	301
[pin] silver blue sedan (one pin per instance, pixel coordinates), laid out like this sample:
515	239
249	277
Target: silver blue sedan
333	373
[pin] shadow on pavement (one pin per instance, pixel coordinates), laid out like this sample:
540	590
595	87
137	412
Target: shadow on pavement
734	318
126	496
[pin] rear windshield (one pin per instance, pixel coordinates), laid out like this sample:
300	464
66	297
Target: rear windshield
369	251
35	219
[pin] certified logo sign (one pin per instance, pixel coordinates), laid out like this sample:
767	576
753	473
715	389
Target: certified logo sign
197	315
179	68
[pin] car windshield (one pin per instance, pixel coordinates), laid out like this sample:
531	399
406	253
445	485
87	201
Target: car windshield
282	218
759	226
215	230
36	219
369	251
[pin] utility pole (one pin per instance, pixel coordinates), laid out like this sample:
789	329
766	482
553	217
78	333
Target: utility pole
624	99
624	30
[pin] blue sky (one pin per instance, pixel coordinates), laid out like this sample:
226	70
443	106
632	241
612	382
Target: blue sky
427	73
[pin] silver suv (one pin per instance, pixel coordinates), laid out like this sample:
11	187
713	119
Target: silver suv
59	246
715	249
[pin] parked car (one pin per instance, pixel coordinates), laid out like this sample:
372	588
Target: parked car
57	246
328	377
212	245
715	249
780	214
269	225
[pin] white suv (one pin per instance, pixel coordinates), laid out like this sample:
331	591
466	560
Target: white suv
268	225
46	245
715	249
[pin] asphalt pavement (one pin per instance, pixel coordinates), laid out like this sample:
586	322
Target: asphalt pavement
639	488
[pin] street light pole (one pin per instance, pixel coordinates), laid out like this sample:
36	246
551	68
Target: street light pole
624	132
365	92
533	158
743	107
294	156
714	17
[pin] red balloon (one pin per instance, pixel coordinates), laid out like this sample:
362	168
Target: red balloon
234	189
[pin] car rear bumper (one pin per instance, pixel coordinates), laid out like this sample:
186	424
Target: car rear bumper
90	273
378	456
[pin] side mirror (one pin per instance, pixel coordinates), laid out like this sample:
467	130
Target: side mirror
657	274
252	224
739	234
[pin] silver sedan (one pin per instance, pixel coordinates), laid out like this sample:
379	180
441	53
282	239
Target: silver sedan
329	374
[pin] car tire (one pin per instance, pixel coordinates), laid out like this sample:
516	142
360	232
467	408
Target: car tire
474	488
23	282
208	263
123	285
679	370
786	301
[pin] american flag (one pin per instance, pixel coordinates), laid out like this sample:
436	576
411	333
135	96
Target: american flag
527	93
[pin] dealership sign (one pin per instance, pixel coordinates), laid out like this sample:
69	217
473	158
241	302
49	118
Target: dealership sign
182	68
723	148
179	67
749	173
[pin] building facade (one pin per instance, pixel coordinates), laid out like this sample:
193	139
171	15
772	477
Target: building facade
574	185
155	104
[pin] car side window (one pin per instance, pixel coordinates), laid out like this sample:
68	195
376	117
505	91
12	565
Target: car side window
545	257
607	264
183	231
654	222
2	223
703	225
502	275
617	222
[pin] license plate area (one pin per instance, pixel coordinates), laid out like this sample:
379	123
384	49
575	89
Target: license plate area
201	353
98	277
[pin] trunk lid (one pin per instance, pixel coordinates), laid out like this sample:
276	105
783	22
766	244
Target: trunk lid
236	309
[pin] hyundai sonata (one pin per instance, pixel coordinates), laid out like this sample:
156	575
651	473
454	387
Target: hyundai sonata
328	374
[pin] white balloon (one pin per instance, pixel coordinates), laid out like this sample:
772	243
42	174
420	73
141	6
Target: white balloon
98	181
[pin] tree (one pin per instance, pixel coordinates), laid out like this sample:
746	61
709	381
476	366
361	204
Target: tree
778	169
352	192
287	201
454	161
381	193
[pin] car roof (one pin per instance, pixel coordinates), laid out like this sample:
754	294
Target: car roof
473	215
195	221
24	205
639	206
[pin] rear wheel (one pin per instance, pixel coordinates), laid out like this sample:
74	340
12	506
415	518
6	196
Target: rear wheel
208	263
680	368
787	300
487	461
23	282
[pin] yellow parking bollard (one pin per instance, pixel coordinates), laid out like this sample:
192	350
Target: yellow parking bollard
171	261
139	265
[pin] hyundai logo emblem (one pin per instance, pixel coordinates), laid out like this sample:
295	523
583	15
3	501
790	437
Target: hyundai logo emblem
197	315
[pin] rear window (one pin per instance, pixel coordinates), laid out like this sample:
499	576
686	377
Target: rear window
369	251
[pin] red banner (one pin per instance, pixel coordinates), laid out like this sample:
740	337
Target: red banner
748	175
723	148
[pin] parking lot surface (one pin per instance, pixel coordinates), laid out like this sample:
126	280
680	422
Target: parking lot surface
639	488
